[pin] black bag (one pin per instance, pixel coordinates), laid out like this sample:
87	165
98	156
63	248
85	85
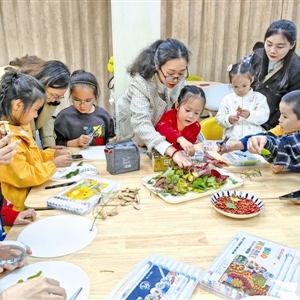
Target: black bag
122	157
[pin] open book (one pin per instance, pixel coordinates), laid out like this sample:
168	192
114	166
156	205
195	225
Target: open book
82	196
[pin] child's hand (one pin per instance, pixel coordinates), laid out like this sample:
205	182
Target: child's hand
63	161
256	143
222	148
187	146
276	169
64	151
230	146
25	217
245	113
84	140
233	119
182	160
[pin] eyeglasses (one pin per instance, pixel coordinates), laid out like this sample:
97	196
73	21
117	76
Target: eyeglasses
55	97
85	103
178	78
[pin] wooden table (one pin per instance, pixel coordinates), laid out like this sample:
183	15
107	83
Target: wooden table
191	232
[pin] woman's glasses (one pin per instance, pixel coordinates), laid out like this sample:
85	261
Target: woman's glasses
173	78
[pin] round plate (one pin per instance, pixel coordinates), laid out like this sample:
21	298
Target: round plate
70	276
61	172
250	197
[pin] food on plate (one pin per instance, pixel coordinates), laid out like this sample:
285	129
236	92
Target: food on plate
236	205
31	277
198	178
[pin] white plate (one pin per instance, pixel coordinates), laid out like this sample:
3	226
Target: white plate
58	235
93	152
249	197
70	276
192	196
61	172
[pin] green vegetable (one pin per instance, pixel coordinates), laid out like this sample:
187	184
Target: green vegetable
72	173
265	152
31	277
230	205
80	164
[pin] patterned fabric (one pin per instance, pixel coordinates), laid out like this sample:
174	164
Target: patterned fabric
167	126
140	108
255	102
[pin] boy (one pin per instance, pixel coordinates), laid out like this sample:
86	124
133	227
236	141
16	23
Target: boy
283	141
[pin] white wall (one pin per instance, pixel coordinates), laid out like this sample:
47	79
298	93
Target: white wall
135	25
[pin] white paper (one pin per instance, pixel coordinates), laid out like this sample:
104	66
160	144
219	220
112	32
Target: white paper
70	276
58	235
61	172
93	152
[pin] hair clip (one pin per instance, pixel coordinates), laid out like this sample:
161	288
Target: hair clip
229	68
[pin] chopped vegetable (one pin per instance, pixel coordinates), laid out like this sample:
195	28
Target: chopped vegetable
71	174
265	152
38	274
80	164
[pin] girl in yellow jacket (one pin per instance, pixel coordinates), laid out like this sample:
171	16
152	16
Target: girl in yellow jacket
21	96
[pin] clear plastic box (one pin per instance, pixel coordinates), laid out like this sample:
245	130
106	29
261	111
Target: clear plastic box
157	277
254	266
240	158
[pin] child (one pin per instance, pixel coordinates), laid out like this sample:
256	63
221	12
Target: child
21	96
180	126
243	111
83	123
283	148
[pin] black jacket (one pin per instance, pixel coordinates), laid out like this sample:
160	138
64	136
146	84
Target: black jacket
269	88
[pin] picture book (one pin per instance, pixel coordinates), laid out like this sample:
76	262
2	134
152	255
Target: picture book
82	196
252	266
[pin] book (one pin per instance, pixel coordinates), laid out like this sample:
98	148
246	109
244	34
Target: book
157	277
84	195
253	266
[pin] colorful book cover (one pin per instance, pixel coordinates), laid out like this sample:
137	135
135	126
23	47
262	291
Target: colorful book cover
250	266
84	195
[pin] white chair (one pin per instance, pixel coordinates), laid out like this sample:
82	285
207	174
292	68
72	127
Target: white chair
214	95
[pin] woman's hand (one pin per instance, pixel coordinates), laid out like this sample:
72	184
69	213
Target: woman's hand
187	146
8	253
41	288
25	217
8	149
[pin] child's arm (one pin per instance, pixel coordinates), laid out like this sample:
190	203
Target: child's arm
230	146
187	146
225	117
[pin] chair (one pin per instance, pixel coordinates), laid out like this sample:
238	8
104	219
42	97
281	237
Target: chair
210	129
214	95
192	77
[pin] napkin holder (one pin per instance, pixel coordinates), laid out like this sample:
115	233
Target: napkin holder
122	157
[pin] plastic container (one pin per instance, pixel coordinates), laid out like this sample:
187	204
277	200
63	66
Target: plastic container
240	158
157	277
253	266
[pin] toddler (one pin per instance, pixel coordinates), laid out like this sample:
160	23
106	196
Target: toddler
243	111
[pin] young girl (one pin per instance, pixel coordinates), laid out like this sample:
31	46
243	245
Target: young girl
158	75
84	123
180	126
243	111
21	96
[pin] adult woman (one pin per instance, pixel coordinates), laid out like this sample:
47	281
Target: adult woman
159	74
276	66
55	76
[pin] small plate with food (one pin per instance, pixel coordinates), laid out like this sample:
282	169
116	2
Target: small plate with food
236	204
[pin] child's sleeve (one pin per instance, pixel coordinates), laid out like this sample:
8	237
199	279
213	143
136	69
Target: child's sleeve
165	127
260	114
223	114
8	214
47	154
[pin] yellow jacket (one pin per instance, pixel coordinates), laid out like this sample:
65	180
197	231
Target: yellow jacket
30	167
